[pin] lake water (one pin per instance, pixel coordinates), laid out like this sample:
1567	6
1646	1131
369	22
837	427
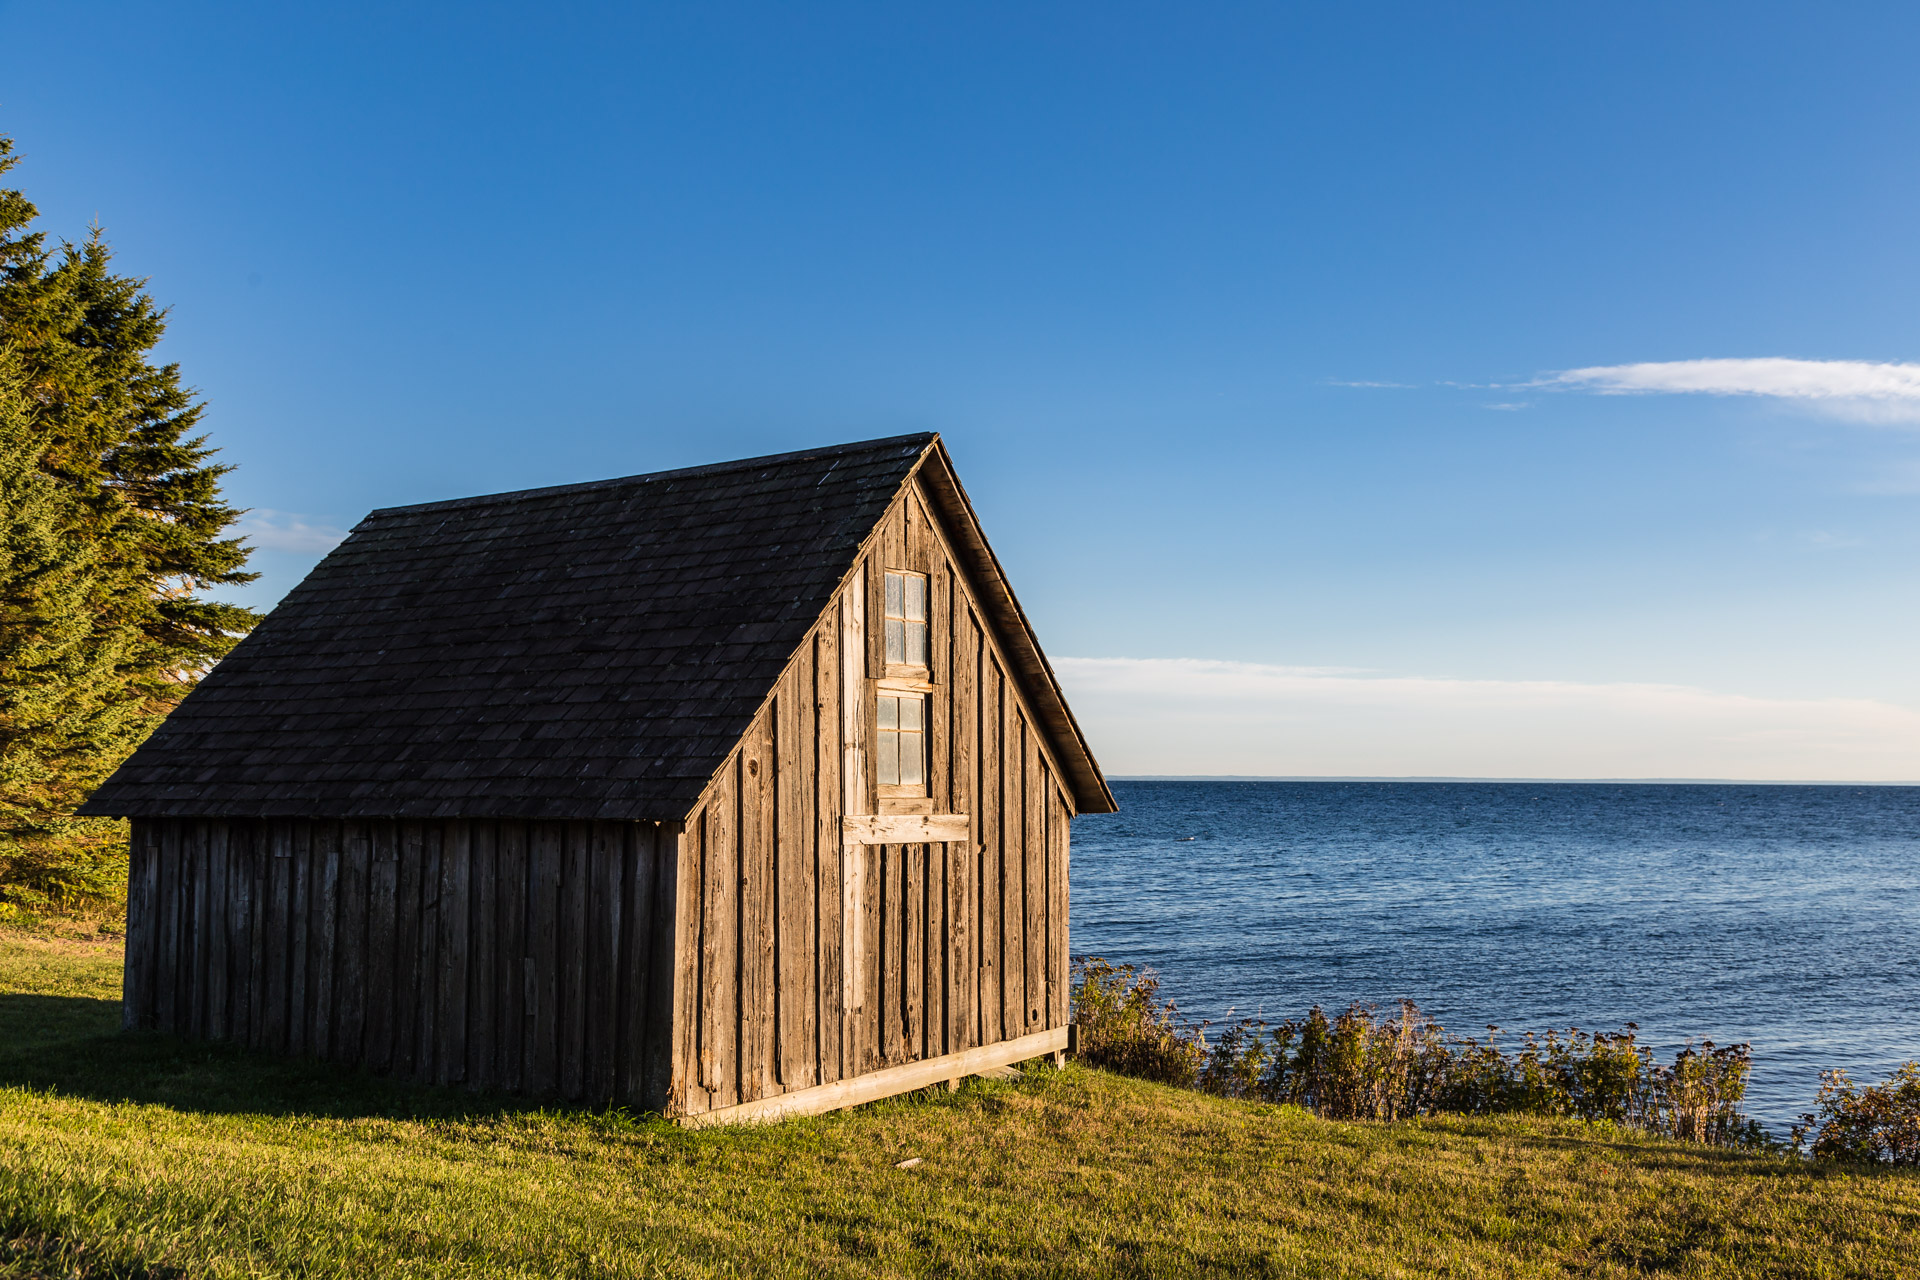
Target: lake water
1788	917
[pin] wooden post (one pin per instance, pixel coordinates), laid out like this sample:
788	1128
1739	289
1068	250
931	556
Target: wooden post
853	782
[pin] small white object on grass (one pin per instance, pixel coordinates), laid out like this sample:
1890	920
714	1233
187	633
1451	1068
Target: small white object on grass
908	1163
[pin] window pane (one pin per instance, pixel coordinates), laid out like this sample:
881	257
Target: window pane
913	759
889	713
912	713
916	643
916	597
893	595
887	758
896	641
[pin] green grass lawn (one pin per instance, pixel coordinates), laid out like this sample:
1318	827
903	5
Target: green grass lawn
145	1156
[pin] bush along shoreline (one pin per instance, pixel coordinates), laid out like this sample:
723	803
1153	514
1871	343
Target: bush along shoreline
1362	1065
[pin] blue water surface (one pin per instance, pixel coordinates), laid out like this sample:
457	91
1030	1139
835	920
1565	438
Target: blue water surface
1785	916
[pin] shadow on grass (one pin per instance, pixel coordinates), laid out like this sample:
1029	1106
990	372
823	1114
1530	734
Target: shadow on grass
72	1046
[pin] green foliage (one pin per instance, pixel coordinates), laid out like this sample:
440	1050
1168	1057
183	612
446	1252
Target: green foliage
65	717
1124	1027
112	526
1879	1123
1361	1066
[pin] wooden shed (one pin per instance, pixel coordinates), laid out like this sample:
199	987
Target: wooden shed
727	792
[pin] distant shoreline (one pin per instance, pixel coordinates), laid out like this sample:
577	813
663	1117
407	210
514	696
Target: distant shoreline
1534	782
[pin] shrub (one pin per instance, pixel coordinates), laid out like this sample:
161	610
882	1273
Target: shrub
1878	1123
1358	1065
1125	1028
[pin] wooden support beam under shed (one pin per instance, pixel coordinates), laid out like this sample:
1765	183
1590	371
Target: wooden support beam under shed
885	1083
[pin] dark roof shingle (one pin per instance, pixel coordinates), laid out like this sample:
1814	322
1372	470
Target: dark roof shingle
588	651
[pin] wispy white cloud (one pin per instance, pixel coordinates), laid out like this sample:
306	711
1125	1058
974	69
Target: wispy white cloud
1509	406
1828	540
1396	386
1858	389
287	531
1196	716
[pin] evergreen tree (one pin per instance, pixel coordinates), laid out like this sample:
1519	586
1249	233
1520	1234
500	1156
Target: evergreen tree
114	526
66	714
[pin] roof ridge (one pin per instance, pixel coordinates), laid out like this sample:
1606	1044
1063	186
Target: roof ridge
924	438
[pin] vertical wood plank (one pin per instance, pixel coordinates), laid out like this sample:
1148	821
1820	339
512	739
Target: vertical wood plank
992	897
382	897
1034	880
793	892
272	1033
884	929
483	961
674	1021
197	913
799	864
546	852
408	901
853	643
450	1002
299	934
166	974
137	978
939	929
261	987
606	900
219	969
514	877
720	942
1059	819
326	925
637	965
198	939
350	1020
758	820
426	1011
235	926
829	972
575	877
250	872
1013	960
964	860
913	951
883	556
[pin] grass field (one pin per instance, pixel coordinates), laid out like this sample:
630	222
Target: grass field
144	1156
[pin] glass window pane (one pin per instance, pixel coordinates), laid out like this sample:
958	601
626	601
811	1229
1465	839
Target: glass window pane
916	597
916	643
912	713
894	588
896	641
913	759
887	759
889	713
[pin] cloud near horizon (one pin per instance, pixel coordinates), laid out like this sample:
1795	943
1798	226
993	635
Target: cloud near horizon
1194	716
286	531
1858	389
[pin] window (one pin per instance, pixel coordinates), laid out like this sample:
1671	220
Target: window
901	748
906	619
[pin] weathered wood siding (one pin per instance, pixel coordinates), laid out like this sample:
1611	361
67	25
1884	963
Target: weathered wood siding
522	956
813	960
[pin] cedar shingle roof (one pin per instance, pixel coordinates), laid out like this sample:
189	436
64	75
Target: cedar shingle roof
589	651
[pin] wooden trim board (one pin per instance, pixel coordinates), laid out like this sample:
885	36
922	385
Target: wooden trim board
885	1083
906	828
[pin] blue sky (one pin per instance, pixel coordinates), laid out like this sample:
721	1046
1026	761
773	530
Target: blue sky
1248	326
